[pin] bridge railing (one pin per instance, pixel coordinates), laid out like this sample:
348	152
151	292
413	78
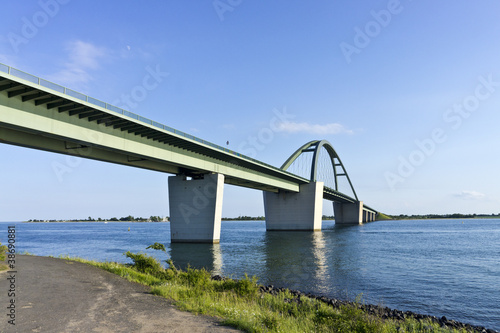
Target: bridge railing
66	91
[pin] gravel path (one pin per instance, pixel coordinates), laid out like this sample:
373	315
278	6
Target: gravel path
55	295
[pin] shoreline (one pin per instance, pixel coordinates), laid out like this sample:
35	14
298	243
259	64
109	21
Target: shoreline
379	311
257	220
298	296
84	221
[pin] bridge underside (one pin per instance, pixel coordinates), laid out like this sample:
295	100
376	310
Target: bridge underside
38	114
34	116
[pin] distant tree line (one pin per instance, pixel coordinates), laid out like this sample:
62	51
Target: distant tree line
380	216
443	216
244	218
129	218
263	218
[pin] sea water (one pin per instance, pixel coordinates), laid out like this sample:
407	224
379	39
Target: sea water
438	267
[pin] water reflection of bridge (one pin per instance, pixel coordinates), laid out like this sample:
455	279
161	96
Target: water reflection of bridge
197	255
287	258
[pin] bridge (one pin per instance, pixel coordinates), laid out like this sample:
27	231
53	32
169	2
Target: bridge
39	114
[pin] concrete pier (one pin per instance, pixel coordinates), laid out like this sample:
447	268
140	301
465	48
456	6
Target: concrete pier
348	213
295	211
195	208
352	213
369	216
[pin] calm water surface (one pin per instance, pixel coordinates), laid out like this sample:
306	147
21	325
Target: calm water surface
437	267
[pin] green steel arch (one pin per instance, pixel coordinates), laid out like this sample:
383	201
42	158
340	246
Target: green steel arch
315	146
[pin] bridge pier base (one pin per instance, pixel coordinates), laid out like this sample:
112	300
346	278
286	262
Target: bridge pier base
369	216
349	213
352	213
195	208
295	211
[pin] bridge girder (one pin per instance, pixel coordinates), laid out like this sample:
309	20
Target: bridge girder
41	115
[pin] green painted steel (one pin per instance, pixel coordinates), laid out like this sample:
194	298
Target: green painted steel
329	193
39	114
315	146
84	98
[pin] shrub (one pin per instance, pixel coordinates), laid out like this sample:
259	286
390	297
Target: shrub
197	277
157	246
171	265
146	264
3	250
247	286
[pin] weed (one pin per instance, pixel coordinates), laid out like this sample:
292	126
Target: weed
157	246
146	264
199	278
3	250
247	287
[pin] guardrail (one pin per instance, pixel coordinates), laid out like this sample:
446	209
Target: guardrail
63	90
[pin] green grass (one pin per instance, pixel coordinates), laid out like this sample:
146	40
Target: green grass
382	217
241	304
3	252
3	257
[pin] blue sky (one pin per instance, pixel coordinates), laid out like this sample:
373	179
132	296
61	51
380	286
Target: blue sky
407	92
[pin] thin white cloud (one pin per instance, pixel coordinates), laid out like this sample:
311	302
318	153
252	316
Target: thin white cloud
470	195
324	129
83	57
85	54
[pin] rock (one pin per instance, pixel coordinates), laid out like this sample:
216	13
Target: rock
382	312
218	278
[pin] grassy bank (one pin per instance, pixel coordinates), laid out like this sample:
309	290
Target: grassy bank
383	217
242	303
3	257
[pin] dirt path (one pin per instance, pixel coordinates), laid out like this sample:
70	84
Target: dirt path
55	295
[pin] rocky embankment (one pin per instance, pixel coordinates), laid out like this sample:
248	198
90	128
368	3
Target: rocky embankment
379	311
382	312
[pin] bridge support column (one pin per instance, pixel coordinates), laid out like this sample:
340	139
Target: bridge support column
195	208
369	216
295	211
349	213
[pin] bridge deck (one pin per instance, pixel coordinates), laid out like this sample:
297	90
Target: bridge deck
41	99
